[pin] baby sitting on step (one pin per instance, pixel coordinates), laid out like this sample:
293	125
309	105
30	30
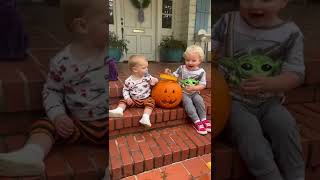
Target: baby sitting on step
137	90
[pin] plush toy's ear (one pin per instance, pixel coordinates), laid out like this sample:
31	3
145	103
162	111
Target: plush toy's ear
227	62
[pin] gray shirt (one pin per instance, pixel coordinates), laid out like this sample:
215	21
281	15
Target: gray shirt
246	51
188	77
76	87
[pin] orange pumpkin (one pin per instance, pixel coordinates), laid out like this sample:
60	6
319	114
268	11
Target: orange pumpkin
221	102
167	93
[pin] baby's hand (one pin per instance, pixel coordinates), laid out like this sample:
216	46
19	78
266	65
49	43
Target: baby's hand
153	81
129	101
64	125
167	71
189	88
256	85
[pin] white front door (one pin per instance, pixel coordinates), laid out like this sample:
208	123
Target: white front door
141	35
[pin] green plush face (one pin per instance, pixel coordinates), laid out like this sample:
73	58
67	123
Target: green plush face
247	66
189	82
250	65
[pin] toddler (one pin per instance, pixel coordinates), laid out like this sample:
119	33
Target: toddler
193	80
261	56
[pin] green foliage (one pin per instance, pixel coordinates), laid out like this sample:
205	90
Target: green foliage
116	42
171	43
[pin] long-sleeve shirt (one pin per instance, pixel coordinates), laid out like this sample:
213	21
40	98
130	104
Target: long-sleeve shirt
183	73
137	88
76	88
247	51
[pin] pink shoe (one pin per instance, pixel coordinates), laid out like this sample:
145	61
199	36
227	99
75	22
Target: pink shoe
206	123
200	128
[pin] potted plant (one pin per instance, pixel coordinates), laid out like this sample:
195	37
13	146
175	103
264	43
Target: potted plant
116	46
171	50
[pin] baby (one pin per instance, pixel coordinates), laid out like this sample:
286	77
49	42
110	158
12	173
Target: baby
137	89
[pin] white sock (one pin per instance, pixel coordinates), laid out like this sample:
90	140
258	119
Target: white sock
24	162
203	119
145	120
118	109
146	115
117	112
196	121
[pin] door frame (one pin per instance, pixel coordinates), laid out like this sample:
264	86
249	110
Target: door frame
117	4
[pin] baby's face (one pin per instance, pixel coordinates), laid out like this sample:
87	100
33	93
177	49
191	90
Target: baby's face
192	61
141	68
261	13
97	24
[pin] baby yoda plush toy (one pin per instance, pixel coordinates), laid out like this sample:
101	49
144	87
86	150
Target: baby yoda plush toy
189	82
247	66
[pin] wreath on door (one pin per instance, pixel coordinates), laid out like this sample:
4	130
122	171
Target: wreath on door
140	4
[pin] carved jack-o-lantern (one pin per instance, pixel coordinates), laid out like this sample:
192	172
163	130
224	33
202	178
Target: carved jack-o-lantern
167	93
221	102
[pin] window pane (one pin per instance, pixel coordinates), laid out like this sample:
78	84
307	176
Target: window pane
111	11
167	7
166	13
166	21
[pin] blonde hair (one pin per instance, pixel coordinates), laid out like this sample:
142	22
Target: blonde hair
135	60
194	49
72	9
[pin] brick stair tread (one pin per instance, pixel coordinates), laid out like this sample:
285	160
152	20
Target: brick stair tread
159	118
16	123
135	153
64	162
115	87
22	81
194	168
303	94
21	86
230	166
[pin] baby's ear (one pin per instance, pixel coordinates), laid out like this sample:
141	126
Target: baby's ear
79	25
134	69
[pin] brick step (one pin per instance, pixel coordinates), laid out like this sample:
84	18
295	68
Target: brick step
21	85
115	88
303	94
16	123
63	162
194	168
136	153
159	118
115	100
21	82
230	166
